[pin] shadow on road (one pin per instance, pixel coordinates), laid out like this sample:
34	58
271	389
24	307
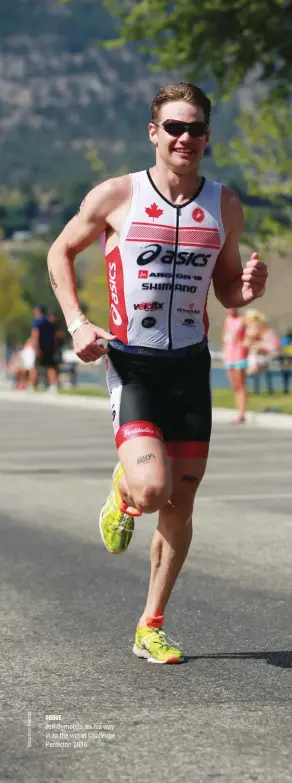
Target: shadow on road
282	658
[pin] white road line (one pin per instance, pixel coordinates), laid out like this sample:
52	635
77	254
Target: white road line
276	458
255	475
266	496
253	437
250	448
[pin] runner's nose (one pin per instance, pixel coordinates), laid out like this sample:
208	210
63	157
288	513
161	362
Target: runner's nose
185	137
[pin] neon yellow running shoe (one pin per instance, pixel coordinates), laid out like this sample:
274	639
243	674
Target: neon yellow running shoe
115	523
151	643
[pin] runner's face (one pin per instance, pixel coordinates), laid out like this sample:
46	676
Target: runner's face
182	154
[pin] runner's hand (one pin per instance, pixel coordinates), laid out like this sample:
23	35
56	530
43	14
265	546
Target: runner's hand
254	278
85	342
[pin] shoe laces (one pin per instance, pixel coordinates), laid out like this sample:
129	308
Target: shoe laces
122	524
161	637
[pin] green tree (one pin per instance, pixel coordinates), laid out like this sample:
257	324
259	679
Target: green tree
67	201
93	290
15	313
220	38
263	149
35	284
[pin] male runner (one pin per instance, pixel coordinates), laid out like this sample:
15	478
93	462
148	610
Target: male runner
168	232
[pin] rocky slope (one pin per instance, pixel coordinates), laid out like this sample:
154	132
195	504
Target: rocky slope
63	96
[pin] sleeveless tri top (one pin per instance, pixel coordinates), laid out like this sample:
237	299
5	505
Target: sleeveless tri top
159	274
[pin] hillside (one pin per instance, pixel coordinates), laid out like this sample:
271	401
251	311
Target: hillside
62	95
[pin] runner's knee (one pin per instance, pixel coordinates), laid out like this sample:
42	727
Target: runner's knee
181	512
151	496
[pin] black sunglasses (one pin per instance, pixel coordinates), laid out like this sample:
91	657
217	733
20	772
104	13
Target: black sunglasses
177	128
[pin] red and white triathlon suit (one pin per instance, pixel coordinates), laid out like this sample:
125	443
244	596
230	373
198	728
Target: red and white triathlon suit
158	279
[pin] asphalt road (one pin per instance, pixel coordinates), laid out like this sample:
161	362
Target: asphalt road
69	610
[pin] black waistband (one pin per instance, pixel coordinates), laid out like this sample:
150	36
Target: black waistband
160	353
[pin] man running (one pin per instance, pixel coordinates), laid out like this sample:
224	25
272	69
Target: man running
168	232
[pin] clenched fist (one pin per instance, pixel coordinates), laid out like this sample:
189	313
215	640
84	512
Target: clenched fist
254	278
85	342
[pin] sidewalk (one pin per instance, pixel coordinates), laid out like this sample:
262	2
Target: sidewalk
220	415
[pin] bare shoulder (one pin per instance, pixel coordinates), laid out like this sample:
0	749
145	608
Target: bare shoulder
232	211
105	198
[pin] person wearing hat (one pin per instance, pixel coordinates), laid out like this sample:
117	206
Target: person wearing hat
235	359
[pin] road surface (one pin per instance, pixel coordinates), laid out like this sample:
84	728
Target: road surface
69	610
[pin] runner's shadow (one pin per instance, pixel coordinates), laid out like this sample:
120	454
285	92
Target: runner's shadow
282	658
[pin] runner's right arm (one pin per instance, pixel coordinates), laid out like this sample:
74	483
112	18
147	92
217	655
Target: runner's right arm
92	219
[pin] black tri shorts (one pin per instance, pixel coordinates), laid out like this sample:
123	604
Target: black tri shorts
165	398
46	359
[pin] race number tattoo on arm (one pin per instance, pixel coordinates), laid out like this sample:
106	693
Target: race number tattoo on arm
190	479
53	281
146	458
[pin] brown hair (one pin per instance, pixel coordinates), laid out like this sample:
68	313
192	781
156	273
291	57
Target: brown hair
184	91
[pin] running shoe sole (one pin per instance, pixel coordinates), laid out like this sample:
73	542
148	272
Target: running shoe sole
112	552
142	653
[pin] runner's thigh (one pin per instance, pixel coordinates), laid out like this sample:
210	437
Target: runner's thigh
138	437
146	464
189	436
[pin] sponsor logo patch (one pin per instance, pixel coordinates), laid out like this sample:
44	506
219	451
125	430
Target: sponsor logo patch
198	214
190	289
149	306
184	310
114	301
183	257
168	275
148	322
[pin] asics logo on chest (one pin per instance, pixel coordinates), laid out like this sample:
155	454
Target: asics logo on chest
188	258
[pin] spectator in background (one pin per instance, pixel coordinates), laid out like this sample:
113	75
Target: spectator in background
235	359
43	342
263	345
17	370
20	365
28	360
286	342
59	335
286	360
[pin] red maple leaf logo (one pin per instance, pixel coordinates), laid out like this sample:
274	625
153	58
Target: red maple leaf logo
154	211
198	214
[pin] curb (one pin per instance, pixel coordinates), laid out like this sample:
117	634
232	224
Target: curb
62	401
275	421
272	421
